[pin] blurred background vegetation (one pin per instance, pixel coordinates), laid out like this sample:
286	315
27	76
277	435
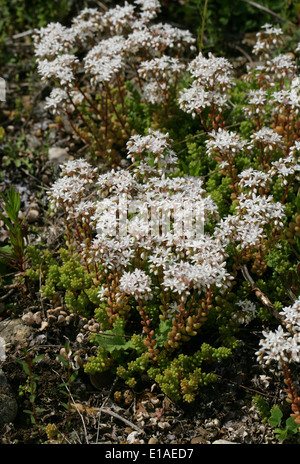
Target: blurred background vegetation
225	22
223	19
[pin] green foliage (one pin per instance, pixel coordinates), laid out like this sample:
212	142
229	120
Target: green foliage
263	407
66	358
181	377
224	21
15	252
31	386
71	276
13	152
282	431
21	15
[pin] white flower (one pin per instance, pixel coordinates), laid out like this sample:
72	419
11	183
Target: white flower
52	40
86	25
268	137
253	214
137	284
196	98
117	182
225	142
288	97
159	74
119	18
166	36
68	191
283	346
269	37
61	69
281	65
274	347
155	143
59	99
253	178
286	167
247	313
103	68
291	316
211	71
257	97
78	167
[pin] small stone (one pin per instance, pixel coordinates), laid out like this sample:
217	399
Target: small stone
198	440
152	441
132	438
61	319
28	318
14	332
57	154
45	179
164	425
33	142
32	215
224	442
37	318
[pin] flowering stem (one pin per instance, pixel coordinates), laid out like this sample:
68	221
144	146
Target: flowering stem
115	110
86	123
287	189
292	394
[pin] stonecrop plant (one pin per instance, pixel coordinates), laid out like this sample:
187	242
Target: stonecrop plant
160	251
154	270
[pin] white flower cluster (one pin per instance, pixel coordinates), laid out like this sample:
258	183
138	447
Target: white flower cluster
249	225
136	283
268	38
253	179
257	100
268	139
283	346
61	69
52	40
282	66
247	311
157	145
287	98
287	167
153	222
60	99
159	73
225	144
69	190
109	43
211	78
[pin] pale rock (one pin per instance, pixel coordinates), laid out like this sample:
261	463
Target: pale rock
57	154
224	442
32	215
